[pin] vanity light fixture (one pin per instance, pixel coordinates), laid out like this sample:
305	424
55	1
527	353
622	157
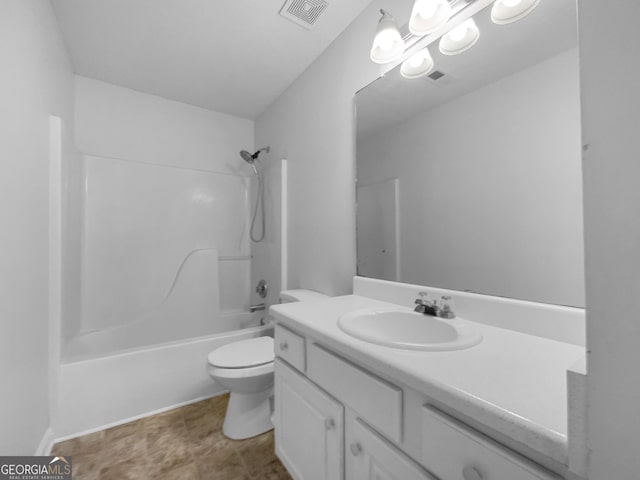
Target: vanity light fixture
388	44
418	65
504	12
460	39
429	15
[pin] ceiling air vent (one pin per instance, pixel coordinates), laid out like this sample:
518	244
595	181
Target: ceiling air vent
441	79
303	12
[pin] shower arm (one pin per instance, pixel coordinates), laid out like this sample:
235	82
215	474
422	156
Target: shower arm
263	149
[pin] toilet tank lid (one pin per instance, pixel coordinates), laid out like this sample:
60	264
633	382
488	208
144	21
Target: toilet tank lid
243	353
301	295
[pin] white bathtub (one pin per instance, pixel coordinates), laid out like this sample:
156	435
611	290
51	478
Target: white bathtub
160	329
106	390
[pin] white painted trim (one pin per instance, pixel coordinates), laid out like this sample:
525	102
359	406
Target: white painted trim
284	226
55	262
133	418
577	436
46	443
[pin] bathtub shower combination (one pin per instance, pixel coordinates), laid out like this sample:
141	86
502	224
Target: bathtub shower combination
166	279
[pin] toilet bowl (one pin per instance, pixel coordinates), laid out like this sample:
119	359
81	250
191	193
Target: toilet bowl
245	368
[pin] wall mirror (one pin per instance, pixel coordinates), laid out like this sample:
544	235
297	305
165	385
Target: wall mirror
470	178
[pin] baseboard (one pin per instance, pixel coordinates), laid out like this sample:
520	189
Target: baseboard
131	419
46	443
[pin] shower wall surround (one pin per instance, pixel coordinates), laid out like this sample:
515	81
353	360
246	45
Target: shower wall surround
148	227
164	197
267	254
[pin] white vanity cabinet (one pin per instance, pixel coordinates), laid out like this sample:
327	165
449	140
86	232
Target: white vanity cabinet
371	457
335	419
309	429
454	451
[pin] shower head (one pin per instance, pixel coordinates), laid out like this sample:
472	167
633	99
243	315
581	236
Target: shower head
247	157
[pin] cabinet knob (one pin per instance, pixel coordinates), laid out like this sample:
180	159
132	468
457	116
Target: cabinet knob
355	448
283	345
329	423
470	473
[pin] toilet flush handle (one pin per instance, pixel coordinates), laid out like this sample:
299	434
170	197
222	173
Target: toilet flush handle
283	346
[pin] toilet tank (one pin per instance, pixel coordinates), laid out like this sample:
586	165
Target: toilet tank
300	295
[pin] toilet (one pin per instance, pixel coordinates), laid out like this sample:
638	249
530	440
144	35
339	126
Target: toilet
245	368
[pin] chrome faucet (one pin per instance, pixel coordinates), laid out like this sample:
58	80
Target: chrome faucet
440	309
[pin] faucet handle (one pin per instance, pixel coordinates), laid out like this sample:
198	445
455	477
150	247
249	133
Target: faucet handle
424	305
424	298
446	307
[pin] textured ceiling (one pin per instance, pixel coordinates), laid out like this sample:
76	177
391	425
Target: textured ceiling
231	56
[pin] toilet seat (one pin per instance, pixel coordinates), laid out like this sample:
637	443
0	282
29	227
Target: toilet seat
235	373
243	355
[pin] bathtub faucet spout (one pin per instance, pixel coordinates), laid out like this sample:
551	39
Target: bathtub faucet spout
257	308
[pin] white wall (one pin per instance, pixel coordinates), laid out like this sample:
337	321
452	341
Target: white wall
36	81
148	161
491	187
312	125
611	115
117	122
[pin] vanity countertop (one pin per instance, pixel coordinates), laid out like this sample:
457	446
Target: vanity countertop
511	382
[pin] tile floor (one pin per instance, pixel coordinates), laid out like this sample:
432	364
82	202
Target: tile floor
186	443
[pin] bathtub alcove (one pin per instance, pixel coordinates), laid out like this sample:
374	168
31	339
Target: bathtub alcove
164	278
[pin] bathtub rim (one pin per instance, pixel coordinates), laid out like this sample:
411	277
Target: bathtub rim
159	346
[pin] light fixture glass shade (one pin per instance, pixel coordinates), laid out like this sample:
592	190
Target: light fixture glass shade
509	11
428	15
460	39
387	44
418	65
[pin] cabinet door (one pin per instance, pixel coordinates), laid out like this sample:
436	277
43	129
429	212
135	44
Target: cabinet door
309	427
373	458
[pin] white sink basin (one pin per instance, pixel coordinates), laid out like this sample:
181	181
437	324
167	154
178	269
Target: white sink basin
409	330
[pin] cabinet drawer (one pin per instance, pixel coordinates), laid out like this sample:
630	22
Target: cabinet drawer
454	451
290	347
377	401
